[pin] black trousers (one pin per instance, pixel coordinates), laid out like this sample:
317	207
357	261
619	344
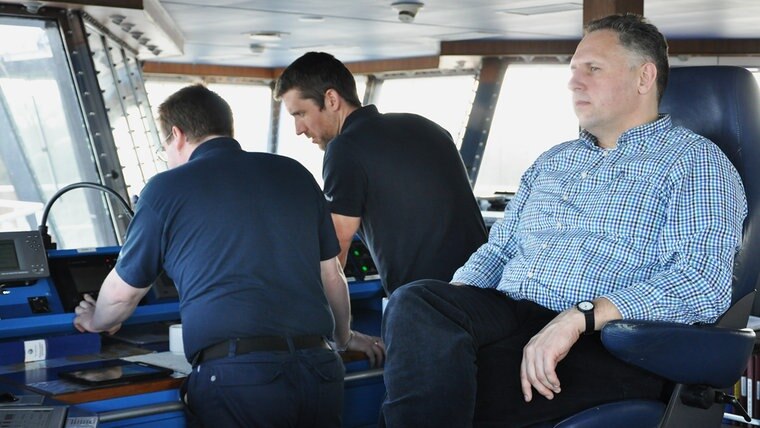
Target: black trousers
454	357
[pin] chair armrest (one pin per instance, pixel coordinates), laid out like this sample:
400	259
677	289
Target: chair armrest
688	354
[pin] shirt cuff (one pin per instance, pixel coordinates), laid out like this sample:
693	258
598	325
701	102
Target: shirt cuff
470	278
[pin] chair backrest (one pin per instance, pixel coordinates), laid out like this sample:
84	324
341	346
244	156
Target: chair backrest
722	103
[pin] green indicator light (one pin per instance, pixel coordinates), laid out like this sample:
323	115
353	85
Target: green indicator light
356	253
365	268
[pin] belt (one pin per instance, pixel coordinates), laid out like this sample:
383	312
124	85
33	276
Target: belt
246	345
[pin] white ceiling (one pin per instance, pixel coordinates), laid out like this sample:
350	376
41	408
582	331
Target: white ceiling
215	31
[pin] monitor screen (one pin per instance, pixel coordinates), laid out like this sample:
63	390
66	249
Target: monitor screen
8	256
88	278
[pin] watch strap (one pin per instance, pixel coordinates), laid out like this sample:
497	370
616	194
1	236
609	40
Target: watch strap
587	309
589	321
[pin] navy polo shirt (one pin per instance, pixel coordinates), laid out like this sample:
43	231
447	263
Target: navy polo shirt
403	175
242	236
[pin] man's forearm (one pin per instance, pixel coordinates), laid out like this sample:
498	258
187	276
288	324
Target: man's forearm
604	311
116	302
336	292
109	314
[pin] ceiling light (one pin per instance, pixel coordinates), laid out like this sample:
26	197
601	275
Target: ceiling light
267	36
549	8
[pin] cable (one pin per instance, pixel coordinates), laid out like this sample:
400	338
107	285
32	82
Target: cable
47	240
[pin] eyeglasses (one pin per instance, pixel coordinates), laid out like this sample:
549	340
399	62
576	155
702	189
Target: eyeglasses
161	151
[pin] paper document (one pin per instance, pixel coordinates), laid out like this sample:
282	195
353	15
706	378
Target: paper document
176	362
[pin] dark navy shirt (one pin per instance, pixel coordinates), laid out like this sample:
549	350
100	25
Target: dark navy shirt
403	175
242	236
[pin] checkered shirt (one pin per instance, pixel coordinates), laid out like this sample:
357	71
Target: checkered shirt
652	225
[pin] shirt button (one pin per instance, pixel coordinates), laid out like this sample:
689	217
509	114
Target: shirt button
544	246
605	153
584	174
565	197
559	225
530	274
213	378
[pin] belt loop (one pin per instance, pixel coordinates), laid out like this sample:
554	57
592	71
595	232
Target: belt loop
233	347
291	345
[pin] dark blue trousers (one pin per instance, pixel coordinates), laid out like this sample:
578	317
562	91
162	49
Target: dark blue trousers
453	360
302	388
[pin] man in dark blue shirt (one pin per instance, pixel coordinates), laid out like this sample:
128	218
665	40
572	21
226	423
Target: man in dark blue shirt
396	178
248	241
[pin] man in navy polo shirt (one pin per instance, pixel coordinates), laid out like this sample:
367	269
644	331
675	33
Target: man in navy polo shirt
250	245
396	178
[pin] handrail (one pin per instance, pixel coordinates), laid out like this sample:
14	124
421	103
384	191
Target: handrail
136	412
364	374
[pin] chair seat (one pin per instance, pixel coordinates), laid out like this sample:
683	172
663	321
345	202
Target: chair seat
620	414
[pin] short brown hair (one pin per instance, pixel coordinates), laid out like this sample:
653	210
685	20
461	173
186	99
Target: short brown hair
198	112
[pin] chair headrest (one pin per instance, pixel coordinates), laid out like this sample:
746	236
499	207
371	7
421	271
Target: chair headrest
722	103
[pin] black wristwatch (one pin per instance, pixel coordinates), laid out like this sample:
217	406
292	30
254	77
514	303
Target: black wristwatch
587	309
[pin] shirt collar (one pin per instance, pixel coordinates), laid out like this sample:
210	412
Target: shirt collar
219	143
638	135
359	115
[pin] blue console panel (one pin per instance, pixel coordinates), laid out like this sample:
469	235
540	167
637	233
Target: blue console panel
42	308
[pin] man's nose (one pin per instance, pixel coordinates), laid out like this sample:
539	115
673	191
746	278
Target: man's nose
574	82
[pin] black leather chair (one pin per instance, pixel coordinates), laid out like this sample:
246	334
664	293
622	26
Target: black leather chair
723	104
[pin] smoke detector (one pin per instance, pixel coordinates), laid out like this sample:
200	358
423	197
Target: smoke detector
407	10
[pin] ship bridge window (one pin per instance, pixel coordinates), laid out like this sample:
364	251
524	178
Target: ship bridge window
43	141
446	100
533	114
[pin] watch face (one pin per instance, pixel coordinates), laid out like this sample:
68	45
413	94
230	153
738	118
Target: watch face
585	306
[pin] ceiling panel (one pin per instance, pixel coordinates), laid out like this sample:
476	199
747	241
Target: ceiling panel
215	32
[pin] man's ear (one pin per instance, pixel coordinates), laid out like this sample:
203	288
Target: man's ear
181	138
647	78
333	100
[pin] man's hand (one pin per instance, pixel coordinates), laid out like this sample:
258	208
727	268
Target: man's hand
116	302
373	347
545	350
85	311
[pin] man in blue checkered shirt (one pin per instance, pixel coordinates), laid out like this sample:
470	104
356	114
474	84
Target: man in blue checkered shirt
637	218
